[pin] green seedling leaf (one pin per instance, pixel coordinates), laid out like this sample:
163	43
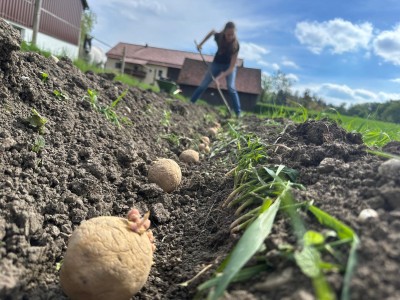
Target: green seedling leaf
60	95
44	76
248	245
308	260
37	121
116	101
38	145
59	265
322	288
343	231
313	238
243	275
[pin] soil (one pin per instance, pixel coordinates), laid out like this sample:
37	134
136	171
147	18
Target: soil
90	167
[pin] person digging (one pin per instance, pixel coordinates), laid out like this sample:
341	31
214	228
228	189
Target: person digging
223	65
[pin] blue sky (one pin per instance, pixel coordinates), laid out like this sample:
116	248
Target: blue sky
345	51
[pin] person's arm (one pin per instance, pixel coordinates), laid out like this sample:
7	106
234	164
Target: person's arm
211	33
230	69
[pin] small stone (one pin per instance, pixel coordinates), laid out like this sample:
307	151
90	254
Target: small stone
54	58
327	165
368	213
7	144
2	228
159	213
390	169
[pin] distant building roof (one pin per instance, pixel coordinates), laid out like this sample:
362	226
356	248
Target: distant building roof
156	56
248	80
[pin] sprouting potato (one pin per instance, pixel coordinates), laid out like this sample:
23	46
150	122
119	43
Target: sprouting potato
108	258
166	173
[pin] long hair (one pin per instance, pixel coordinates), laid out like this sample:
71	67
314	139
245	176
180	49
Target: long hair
223	45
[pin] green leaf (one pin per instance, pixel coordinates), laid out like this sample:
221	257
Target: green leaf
313	238
343	231
115	102
243	275
248	245
308	260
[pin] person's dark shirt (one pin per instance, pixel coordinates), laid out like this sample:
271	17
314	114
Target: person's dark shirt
224	54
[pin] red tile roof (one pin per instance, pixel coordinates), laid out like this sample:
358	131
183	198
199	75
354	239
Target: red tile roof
248	80
156	56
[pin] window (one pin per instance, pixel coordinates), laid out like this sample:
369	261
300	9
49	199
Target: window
160	74
118	65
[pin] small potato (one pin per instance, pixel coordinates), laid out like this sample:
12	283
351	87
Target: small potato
217	125
189	156
202	147
205	140
212	131
106	259
166	173
207	149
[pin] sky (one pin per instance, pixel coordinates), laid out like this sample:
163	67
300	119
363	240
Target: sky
344	51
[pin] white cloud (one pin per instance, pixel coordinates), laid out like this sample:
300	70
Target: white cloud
275	67
338	35
397	80
290	64
264	63
175	23
389	96
292	77
337	94
251	51
387	45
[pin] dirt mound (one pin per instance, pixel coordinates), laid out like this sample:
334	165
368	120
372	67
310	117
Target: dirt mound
78	165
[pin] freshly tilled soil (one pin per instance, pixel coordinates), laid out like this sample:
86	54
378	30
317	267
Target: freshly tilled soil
89	167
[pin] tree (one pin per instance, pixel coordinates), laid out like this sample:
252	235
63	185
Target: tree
275	88
392	112
89	19
280	82
266	87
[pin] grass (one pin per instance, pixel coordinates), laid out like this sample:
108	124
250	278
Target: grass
260	193
109	110
28	47
375	133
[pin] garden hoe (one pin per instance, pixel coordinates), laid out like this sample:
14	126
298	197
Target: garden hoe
216	83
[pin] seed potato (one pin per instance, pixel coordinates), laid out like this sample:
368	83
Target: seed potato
106	260
166	173
189	156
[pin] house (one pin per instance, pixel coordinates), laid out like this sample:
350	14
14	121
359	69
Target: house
248	84
60	23
150	63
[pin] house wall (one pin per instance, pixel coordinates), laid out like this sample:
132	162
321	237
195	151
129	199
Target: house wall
59	28
48	43
212	96
154	72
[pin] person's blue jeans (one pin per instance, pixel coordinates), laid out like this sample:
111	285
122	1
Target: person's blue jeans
216	69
